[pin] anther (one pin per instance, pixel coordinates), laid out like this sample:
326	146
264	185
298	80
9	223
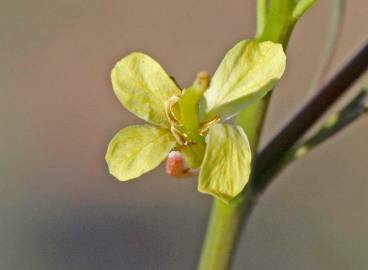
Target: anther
180	137
169	109
206	126
202	80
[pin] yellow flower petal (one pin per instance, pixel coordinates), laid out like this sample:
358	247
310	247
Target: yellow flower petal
143	87
136	150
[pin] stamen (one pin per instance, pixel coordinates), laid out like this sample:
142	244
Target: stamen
180	137
206	126
202	80
169	109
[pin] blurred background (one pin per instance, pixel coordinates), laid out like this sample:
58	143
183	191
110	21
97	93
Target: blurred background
59	207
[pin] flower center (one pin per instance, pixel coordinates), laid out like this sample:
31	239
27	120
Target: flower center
176	127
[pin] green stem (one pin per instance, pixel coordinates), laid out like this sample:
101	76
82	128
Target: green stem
261	16
223	231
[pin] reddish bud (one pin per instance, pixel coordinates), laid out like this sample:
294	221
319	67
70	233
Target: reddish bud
175	165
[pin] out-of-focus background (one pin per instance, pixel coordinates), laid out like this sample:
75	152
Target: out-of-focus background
59	207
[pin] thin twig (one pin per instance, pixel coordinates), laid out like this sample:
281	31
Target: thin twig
334	123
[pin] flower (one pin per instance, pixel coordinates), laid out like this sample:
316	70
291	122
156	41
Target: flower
189	120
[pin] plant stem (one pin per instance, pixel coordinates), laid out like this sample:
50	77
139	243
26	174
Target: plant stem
261	16
223	232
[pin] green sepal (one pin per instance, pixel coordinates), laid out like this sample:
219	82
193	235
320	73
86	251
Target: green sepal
138	149
247	72
226	165
143	87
